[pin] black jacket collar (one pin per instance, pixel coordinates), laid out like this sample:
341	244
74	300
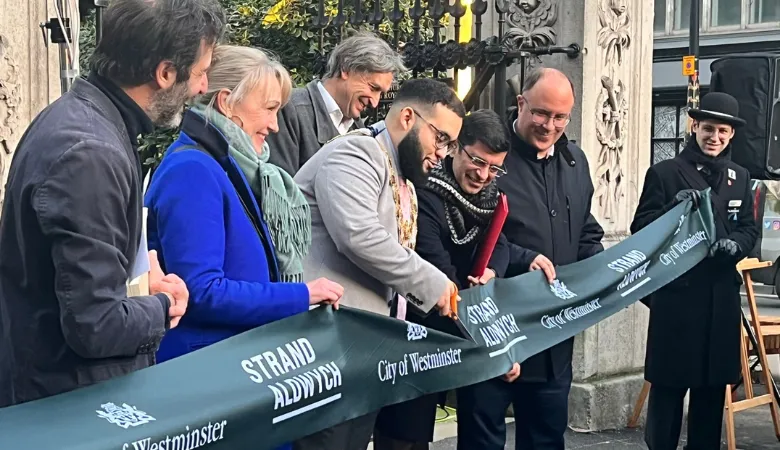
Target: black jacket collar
205	134
135	118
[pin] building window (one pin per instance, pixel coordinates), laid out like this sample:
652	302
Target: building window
763	11
673	17
669	123
682	14
724	13
659	21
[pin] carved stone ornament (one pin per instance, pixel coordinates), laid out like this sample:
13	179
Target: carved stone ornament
612	104
531	23
10	98
613	35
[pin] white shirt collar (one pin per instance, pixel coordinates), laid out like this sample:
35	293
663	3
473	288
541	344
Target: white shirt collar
549	152
336	116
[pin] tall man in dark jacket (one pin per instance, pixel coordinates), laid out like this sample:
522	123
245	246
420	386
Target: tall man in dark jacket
549	189
696	321
359	70
71	230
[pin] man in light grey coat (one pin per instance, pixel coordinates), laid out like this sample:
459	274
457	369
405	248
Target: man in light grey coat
360	188
359	70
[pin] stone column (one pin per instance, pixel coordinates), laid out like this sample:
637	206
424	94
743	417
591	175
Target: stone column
29	73
611	122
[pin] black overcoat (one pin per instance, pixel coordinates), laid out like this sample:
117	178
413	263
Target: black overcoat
695	321
549	214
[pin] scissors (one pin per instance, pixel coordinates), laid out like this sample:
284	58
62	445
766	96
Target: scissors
454	299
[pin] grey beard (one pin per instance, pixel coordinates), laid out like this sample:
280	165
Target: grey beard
167	106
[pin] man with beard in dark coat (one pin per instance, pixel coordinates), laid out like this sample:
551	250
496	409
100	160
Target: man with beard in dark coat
695	321
549	190
72	223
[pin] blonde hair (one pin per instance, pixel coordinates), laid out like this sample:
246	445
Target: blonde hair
241	70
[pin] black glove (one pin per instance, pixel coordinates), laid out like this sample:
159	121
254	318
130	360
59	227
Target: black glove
686	194
725	247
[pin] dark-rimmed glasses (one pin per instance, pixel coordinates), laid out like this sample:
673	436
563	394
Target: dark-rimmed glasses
481	163
443	140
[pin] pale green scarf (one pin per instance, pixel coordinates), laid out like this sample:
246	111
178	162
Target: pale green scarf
282	204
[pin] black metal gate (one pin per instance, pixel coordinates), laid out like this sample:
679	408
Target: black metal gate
488	56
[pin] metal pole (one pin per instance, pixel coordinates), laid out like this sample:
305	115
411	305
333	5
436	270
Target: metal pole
100	5
66	74
693	80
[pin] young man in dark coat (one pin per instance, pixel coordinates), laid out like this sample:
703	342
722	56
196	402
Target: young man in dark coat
456	206
549	189
71	230
695	321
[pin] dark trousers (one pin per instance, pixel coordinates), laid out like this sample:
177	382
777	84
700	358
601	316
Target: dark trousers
353	434
541	414
665	413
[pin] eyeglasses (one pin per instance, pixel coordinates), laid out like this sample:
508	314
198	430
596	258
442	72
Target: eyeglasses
481	163
541	117
443	140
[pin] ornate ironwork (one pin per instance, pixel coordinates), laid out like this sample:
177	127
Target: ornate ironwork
524	30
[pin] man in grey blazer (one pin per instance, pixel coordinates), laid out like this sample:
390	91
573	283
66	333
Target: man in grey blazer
359	70
360	188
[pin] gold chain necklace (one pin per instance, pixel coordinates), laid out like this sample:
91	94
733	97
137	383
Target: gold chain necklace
407	229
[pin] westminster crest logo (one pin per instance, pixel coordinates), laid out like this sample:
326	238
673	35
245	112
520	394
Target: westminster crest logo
125	416
415	332
561	291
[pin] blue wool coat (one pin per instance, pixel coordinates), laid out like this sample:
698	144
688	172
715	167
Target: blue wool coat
203	234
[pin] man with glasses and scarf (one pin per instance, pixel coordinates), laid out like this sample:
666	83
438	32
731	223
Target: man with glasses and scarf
456	206
549	190
696	321
360	188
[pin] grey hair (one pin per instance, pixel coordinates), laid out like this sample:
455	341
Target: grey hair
364	52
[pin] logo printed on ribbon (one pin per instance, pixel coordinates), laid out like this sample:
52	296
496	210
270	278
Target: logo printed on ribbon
415	332
561	291
125	416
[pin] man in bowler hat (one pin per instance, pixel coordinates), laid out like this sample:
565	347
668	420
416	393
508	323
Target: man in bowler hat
695	321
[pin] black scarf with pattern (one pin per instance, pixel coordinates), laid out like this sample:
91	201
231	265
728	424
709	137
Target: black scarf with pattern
461	208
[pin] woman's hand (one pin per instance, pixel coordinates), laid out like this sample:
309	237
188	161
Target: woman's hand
487	275
322	290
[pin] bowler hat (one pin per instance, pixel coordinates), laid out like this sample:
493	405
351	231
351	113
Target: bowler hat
719	107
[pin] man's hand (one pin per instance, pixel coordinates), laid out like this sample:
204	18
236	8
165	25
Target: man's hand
686	194
446	298
513	374
487	275
322	290
170	285
725	247
545	265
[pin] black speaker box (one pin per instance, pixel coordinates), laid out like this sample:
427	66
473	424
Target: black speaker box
754	80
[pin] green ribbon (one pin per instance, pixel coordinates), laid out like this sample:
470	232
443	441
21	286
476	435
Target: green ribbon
296	376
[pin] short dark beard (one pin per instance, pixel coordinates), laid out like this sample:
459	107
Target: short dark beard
167	105
410	158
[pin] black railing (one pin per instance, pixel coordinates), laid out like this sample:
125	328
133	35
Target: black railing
489	57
